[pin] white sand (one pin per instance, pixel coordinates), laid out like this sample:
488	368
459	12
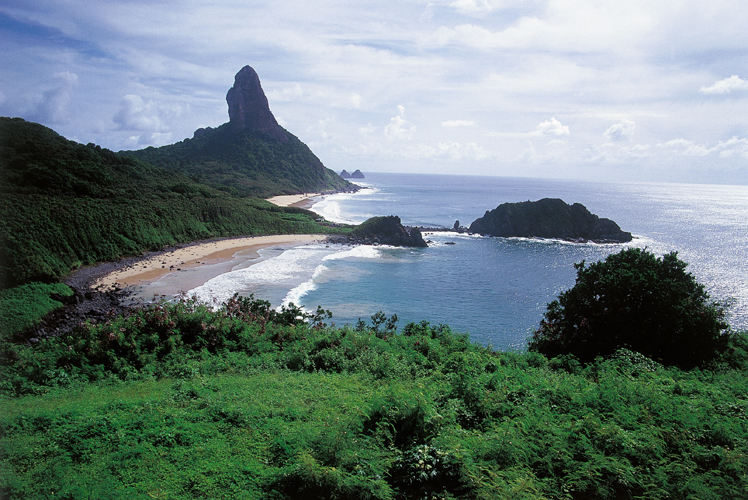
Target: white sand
150	270
288	200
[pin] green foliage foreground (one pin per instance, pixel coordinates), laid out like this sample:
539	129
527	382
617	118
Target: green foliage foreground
21	307
636	300
183	401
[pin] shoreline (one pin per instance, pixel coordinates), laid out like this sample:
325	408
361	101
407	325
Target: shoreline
113	287
150	267
210	254
305	201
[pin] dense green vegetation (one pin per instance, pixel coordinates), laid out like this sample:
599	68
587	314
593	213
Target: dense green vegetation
183	401
63	204
22	306
246	163
636	300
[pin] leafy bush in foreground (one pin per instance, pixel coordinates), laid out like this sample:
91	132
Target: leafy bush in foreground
246	402
635	300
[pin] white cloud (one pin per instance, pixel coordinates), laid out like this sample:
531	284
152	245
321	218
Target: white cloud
616	154
730	148
320	129
397	128
454	151
367	130
551	127
620	131
292	93
476	7
529	154
457	151
458	123
428	13
355	100
52	105
149	118
726	86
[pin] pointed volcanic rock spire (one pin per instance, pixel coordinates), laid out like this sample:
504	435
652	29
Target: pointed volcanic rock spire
248	106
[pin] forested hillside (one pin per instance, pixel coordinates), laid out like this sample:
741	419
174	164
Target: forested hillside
246	163
64	204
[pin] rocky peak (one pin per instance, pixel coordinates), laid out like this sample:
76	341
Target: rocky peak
248	106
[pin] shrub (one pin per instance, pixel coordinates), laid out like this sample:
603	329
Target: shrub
638	301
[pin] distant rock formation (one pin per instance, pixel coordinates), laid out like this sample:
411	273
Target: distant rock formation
248	106
387	231
549	218
357	175
250	155
345	175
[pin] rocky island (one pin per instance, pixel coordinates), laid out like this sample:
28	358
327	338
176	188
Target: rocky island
355	175
549	218
383	231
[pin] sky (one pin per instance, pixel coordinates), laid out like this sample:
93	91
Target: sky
604	90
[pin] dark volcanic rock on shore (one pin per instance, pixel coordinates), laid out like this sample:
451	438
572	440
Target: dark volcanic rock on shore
383	231
549	218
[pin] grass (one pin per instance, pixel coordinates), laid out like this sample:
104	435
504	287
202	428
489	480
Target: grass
22	307
248	404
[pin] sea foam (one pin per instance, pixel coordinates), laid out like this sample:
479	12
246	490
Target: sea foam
284	271
331	206
296	294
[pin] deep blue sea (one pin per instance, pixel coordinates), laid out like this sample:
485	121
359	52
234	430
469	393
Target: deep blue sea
496	289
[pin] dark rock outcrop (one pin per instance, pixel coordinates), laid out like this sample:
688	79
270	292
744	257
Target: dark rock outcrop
357	175
248	106
387	231
345	175
201	132
251	155
549	218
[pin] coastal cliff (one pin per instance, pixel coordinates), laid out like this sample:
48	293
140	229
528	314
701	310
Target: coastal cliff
549	218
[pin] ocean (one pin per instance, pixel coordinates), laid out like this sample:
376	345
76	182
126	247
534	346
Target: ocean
495	289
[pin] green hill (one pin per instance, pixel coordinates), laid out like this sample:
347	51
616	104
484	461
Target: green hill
246	163
251	155
64	204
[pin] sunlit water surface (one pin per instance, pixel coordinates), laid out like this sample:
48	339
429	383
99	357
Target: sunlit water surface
494	288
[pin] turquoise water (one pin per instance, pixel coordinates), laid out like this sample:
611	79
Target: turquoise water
495	288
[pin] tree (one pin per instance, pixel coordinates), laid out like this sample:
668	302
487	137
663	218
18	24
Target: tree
636	300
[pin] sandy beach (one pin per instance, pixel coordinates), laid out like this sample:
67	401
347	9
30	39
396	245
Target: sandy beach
194	256
305	200
192	265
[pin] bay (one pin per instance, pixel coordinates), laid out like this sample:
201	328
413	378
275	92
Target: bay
496	289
